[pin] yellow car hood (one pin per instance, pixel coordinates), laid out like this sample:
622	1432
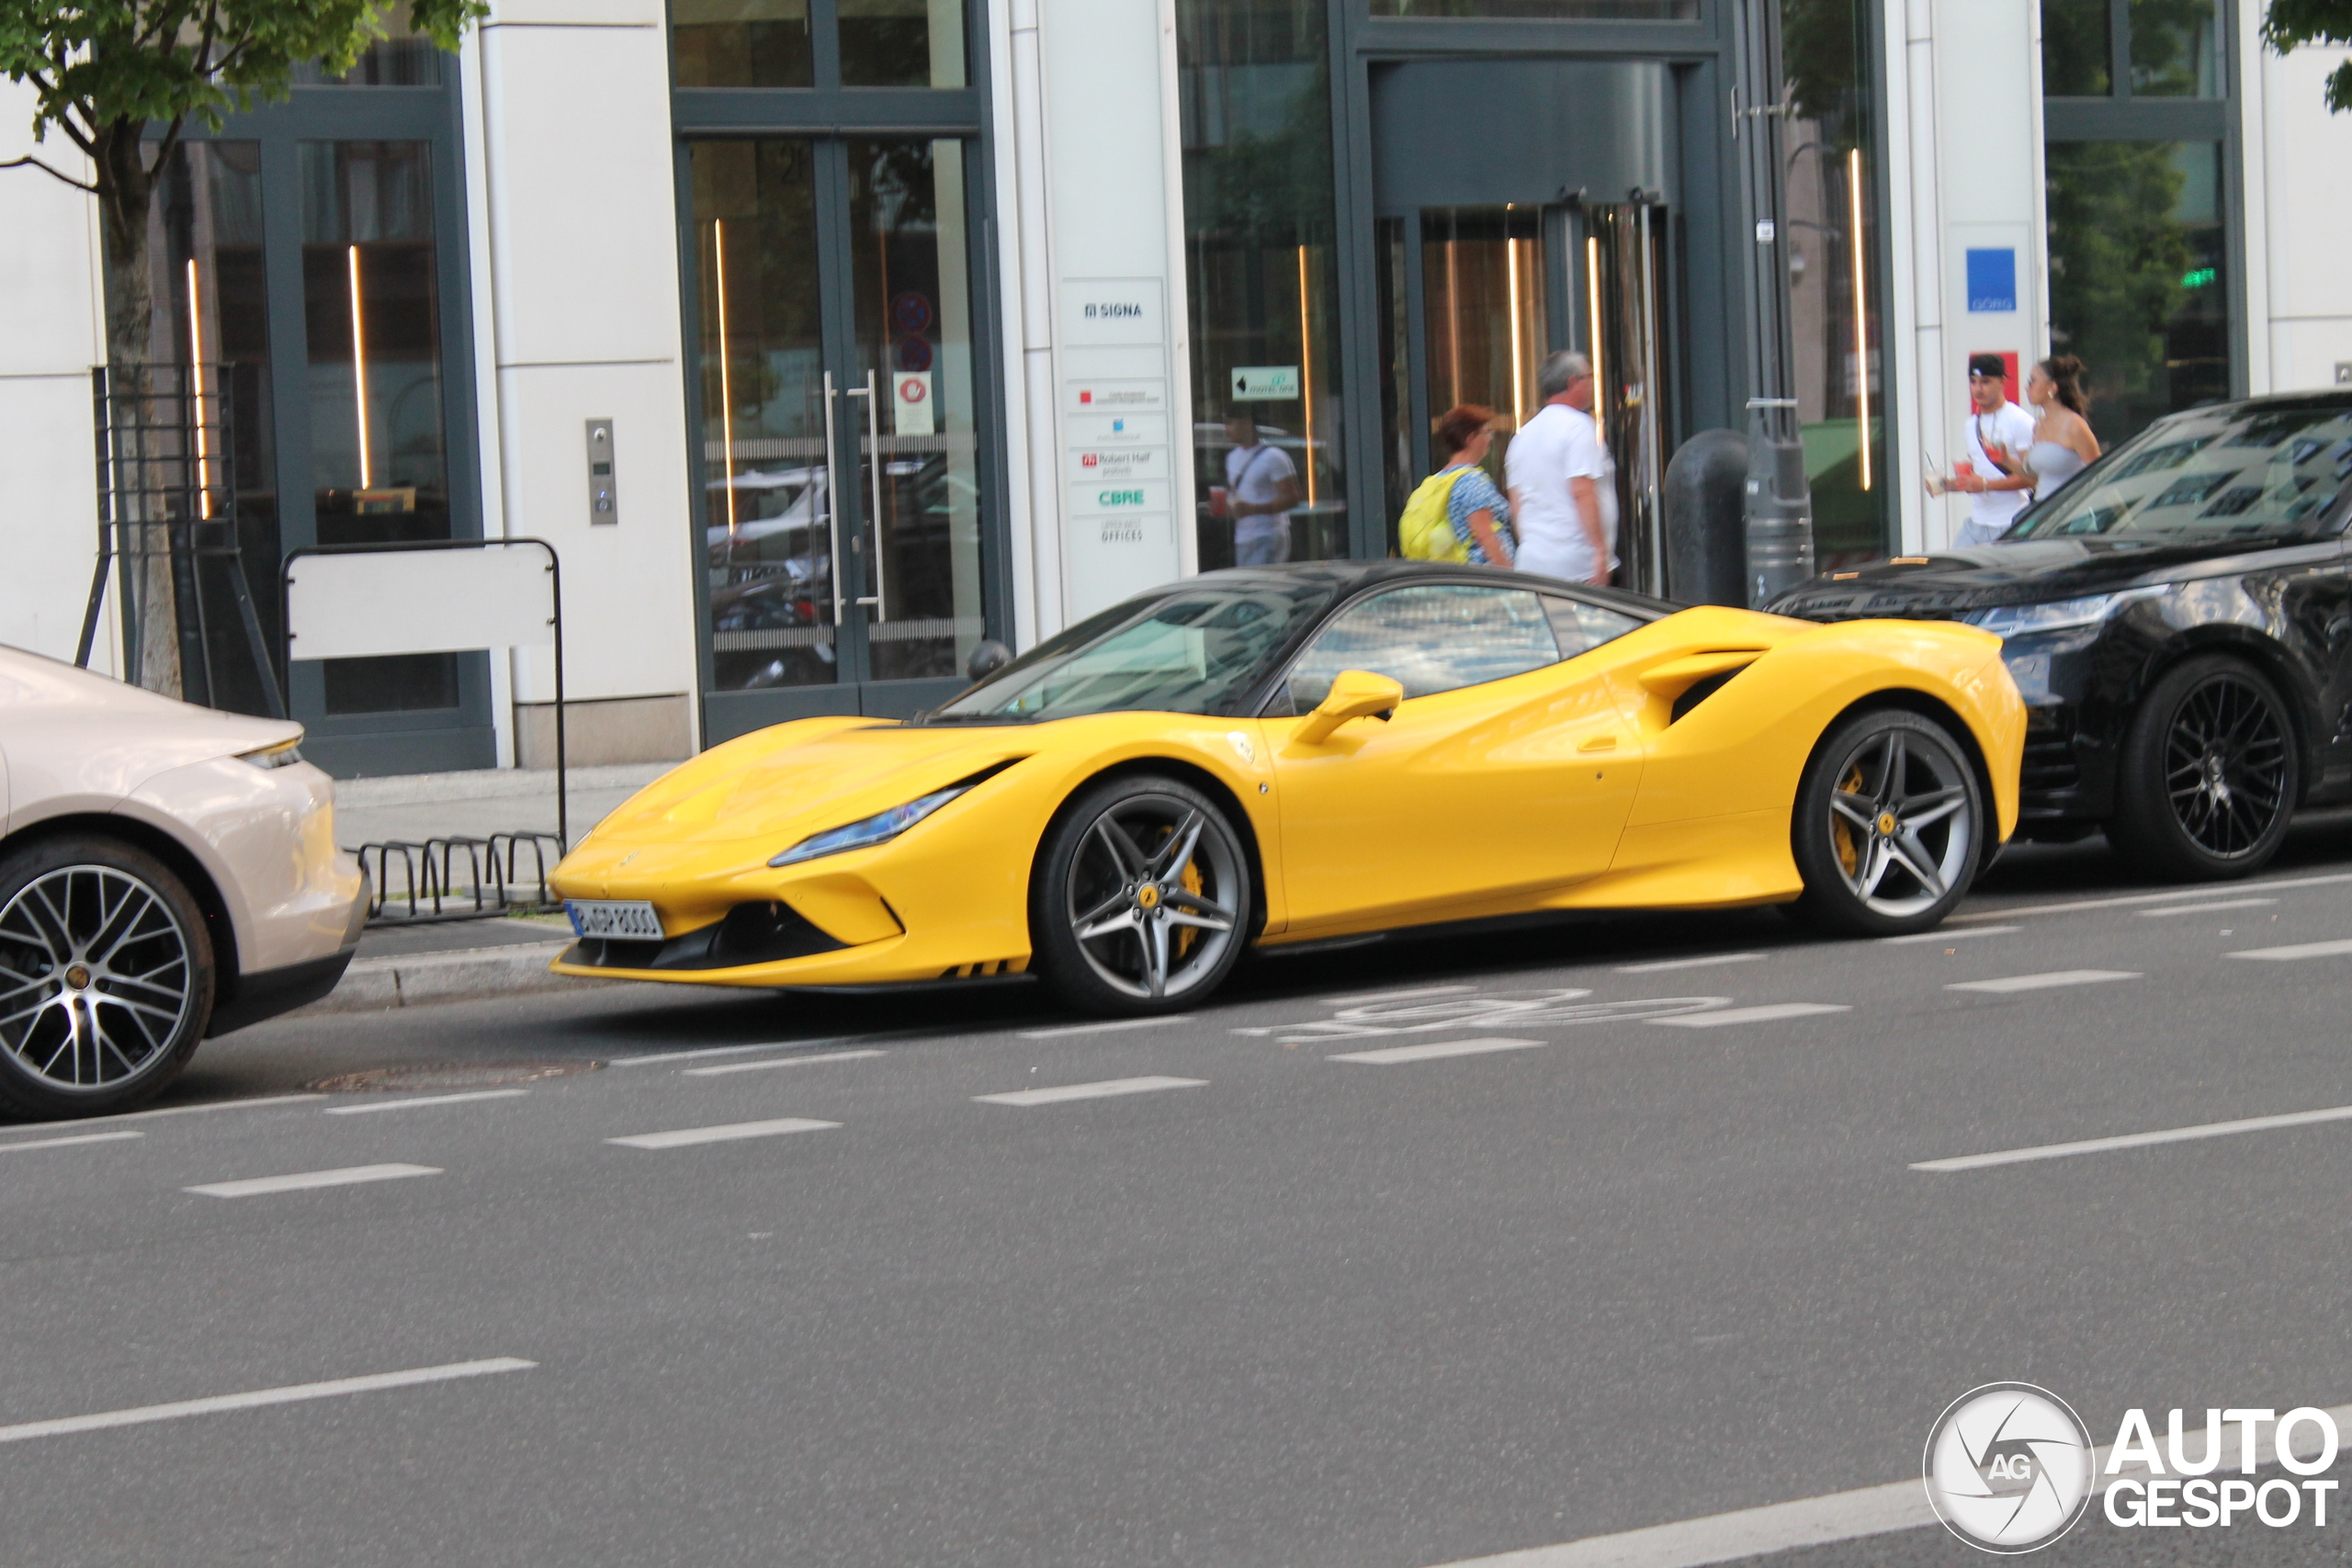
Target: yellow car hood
779	785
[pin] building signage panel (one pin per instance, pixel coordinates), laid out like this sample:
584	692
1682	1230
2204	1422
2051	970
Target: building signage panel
1265	383
1119	497
1087	431
1118	396
1120	463
1991	282
1113	311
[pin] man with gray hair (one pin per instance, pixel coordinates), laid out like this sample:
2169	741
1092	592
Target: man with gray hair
1563	484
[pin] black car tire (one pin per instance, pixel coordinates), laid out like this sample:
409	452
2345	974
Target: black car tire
113	940
1139	901
1862	876
2208	774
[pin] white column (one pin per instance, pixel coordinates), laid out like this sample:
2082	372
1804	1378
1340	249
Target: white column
52	329
580	210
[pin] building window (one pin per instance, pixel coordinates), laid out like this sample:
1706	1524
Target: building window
2141	183
1837	298
2138	276
1261	276
1543	10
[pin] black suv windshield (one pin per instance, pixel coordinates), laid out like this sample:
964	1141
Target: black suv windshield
1192	650
2211	474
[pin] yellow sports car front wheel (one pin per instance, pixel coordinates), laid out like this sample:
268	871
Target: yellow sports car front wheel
1143	901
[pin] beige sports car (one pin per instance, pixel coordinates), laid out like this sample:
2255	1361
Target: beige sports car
167	874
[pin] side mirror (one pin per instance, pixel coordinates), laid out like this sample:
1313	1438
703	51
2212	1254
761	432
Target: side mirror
987	658
1355	693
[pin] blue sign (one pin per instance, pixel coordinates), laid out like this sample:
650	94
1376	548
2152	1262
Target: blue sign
1992	282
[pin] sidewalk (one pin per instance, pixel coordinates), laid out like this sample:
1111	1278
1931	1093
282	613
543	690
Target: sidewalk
416	806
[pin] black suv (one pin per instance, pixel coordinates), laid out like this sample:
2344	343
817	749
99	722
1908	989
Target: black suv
2178	619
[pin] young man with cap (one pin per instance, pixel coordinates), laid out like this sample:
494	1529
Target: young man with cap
1999	433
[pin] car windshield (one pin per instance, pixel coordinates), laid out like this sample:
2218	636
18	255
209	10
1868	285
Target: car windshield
1195	650
2212	474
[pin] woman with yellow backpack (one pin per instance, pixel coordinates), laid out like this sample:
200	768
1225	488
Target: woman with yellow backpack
1458	514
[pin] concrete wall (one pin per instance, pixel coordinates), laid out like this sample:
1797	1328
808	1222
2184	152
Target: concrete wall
2299	246
52	332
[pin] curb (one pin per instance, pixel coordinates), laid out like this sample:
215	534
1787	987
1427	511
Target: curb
372	985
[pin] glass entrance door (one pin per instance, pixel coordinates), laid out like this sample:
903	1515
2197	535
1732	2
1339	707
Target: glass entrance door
839	491
1475	298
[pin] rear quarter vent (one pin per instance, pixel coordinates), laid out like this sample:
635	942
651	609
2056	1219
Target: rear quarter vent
1698	692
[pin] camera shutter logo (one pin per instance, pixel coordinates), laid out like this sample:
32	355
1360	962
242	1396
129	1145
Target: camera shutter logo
2008	1468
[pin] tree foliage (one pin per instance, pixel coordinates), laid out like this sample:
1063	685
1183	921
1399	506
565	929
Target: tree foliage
2293	23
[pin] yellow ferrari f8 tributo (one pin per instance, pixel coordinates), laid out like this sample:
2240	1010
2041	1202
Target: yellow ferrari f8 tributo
1269	756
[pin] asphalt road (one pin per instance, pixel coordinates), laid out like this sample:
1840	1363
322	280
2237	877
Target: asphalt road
1664	1257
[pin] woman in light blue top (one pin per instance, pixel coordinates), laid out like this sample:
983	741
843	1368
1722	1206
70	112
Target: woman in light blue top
2064	443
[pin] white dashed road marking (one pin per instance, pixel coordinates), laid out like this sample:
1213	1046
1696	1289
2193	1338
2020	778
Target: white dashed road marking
2054	978
2205	908
348	1176
1088	1090
1102	1028
1707	962
1431	1053
68	1143
294	1393
687	1137
2306	949
793	1061
426	1099
1925	937
2139	1140
1764	1014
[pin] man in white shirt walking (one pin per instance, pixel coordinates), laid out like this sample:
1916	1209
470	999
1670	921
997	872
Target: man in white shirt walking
1263	486
2000	434
1563	482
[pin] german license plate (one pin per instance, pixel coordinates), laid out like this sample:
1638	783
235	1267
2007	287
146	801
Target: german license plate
633	921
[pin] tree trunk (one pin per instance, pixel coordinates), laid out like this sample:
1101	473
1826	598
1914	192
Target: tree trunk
125	192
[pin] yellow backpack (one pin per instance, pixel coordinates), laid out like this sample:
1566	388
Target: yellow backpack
1426	531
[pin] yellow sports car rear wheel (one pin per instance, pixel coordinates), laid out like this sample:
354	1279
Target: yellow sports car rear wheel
1889	828
1140	900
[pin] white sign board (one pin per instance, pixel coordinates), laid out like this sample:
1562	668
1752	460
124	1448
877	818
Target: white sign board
910	403
1265	383
373	603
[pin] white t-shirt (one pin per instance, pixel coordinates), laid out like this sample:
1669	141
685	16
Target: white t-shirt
1558	444
1991	512
1255	474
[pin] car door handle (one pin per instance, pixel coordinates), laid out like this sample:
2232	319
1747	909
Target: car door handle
1600	743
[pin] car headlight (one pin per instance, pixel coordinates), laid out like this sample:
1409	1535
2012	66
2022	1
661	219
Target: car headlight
2062	615
876	830
285	754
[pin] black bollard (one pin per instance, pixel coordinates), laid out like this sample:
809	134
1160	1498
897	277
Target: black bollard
1706	538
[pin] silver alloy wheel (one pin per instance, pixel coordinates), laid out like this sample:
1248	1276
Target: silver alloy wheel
96	978
1153	894
1899	822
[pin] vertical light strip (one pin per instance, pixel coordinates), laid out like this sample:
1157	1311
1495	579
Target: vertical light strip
196	386
1452	316
1518	358
359	377
1592	294
1307	374
726	378
1862	310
